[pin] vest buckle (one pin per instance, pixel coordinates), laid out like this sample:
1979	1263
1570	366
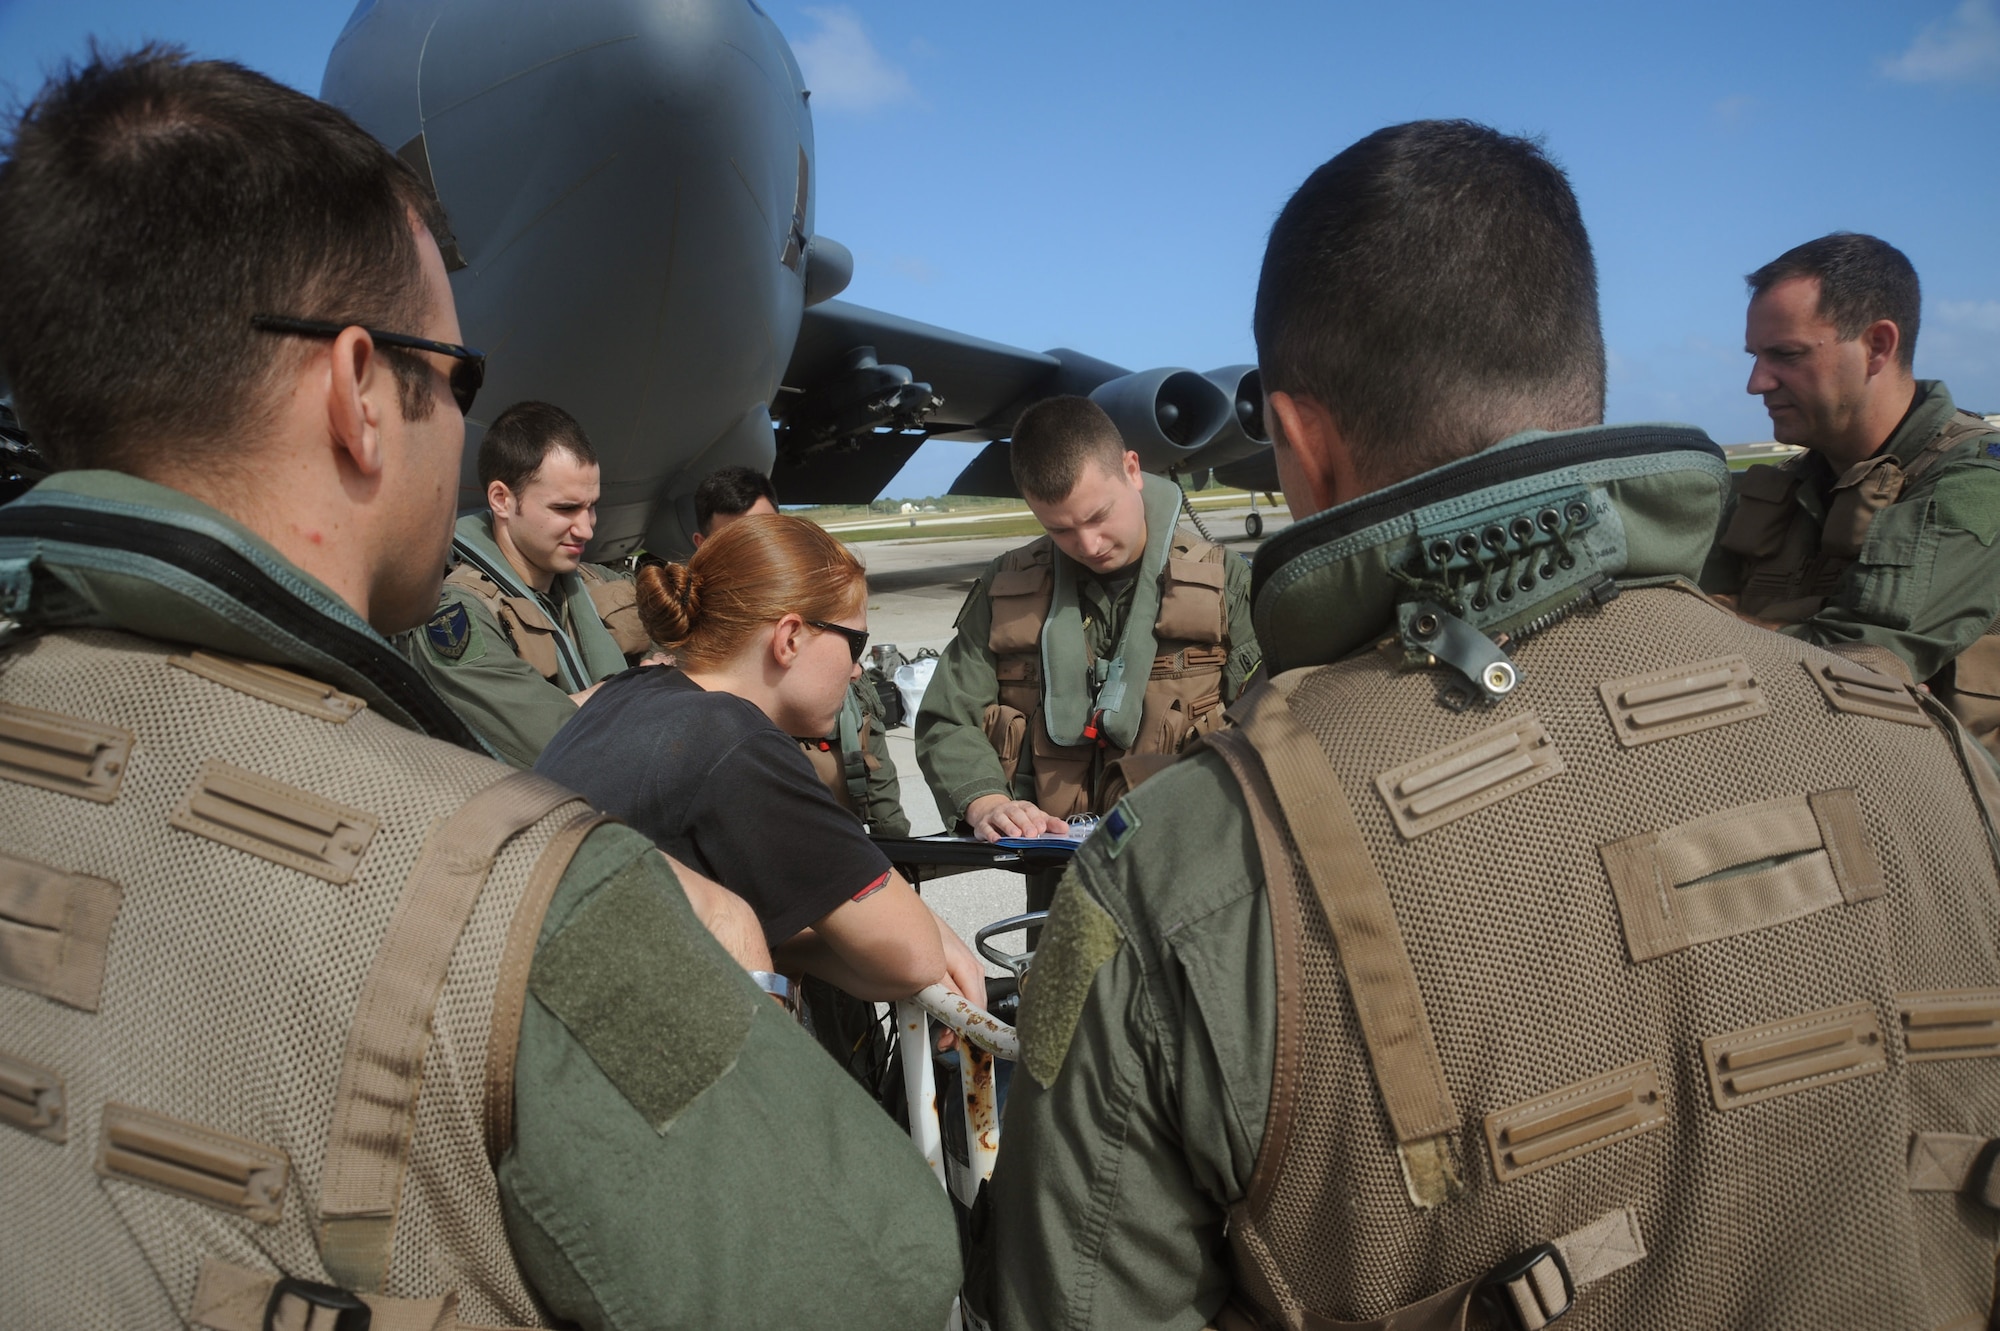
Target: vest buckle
350	1313
1528	1290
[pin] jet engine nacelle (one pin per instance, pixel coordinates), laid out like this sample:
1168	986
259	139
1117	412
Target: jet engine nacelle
1243	434
1165	415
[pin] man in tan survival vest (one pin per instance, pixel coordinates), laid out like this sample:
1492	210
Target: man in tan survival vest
524	629
853	762
1539	936
1878	540
1115	636
311	1013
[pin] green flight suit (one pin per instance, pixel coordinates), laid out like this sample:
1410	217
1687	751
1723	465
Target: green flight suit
467	656
952	748
674	1163
1926	585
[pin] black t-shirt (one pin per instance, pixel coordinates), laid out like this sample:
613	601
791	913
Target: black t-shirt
718	786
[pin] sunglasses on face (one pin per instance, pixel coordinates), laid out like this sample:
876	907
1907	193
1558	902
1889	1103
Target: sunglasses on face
467	373
857	639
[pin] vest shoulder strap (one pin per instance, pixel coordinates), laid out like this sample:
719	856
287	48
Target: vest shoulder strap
1374	959
1281	888
374	1111
1962	426
469	579
517	958
1194	549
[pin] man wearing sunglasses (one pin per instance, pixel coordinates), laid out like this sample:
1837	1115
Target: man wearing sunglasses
524	628
311	1012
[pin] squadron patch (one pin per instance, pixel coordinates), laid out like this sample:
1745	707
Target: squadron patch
1117	828
450	631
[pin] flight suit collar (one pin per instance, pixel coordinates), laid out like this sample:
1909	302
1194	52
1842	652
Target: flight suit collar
1929	411
1629	502
102	549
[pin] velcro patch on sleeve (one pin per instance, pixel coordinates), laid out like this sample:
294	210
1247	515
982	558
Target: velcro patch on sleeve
1079	938
634	978
450	634
1969	500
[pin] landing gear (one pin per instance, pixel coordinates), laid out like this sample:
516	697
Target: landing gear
1253	525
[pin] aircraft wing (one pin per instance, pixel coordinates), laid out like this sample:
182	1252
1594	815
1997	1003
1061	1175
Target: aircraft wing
864	389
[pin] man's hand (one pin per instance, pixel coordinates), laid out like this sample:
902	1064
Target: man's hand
994	816
725	915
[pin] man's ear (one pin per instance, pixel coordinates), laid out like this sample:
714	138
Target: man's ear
499	499
1883	341
697	538
1315	464
1135	475
360	387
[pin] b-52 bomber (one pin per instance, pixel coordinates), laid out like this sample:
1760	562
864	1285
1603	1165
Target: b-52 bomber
630	187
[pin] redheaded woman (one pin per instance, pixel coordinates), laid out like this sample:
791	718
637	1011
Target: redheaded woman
767	623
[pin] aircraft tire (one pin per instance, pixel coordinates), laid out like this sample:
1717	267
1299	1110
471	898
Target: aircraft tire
1253	526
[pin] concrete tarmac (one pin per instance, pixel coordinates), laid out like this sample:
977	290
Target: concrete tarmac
915	589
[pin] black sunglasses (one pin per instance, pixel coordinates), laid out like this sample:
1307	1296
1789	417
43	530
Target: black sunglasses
466	376
857	639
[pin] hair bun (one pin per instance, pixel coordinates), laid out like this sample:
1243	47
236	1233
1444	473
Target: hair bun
669	602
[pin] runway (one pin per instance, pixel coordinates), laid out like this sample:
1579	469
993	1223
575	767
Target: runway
915	589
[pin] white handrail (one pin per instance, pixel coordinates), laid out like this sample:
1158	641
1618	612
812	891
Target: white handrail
976	1024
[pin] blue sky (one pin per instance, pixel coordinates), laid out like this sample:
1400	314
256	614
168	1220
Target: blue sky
1101	175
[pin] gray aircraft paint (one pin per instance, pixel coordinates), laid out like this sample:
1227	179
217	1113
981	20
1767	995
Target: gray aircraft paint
630	189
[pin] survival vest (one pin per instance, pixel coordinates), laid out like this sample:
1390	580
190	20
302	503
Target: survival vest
1665	986
263	957
1792	563
531	632
1183	695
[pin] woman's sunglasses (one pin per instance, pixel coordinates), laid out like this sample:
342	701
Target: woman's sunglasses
857	639
466	376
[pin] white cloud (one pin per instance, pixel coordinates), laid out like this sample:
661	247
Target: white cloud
1977	316
1962	48
1733	110
842	67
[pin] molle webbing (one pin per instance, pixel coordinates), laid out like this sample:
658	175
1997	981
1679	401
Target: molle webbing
266	1044
1726	1040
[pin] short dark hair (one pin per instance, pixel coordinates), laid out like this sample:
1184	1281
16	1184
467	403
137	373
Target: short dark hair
521	439
1433	288
1055	439
730	491
1861	279
149	206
